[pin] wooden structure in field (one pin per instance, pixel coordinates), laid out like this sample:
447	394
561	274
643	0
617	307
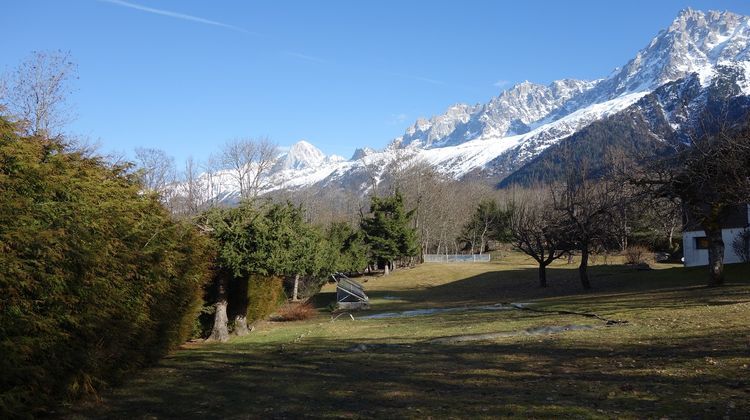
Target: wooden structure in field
349	293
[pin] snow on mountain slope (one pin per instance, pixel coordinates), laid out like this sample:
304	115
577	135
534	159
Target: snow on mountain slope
301	155
509	114
462	159
526	119
362	152
695	42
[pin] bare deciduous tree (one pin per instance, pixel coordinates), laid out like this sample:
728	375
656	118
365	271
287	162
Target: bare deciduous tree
193	189
588	206
249	162
536	229
157	169
37	91
211	168
711	178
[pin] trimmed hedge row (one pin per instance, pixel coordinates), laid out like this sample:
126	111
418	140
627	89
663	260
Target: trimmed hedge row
95	277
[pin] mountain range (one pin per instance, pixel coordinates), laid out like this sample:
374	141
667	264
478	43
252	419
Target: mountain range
700	62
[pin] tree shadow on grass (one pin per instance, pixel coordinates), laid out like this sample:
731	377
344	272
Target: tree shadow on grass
600	373
620	285
538	377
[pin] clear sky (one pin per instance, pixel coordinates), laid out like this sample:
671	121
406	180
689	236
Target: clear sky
185	76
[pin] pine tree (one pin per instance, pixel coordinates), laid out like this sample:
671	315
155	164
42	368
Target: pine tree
489	222
298	248
388	231
256	243
349	252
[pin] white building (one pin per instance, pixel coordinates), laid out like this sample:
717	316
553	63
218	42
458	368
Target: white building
695	243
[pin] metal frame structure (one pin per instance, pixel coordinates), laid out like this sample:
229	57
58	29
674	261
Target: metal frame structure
350	294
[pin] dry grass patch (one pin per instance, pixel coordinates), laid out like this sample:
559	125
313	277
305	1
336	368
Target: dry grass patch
295	311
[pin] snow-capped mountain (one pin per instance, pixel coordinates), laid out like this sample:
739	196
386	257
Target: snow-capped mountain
509	114
301	155
701	57
526	119
695	42
361	153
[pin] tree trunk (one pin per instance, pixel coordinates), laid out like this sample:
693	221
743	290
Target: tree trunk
296	288
542	274
238	306
583	268
715	256
671	238
240	325
220	331
386	270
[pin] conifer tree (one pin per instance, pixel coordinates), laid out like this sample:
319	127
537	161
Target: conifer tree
349	252
488	222
95	276
388	231
298	248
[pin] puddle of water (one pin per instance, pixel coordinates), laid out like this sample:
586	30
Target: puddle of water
433	311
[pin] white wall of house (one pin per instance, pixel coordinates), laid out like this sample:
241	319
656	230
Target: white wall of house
695	257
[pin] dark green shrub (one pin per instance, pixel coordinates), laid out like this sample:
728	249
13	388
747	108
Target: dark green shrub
265	294
95	277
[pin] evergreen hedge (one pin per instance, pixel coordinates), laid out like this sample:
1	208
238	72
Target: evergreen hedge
264	294
95	277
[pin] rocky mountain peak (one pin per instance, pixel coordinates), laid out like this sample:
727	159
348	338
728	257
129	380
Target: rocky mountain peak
700	59
300	155
361	153
695	42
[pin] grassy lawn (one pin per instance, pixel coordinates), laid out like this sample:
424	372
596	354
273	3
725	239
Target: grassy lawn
684	352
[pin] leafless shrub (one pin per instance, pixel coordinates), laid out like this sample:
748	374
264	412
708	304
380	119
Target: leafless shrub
636	254
295	312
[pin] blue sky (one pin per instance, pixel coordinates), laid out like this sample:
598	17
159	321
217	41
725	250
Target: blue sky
185	76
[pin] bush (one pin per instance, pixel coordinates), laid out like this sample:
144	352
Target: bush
95	277
264	294
295	312
636	254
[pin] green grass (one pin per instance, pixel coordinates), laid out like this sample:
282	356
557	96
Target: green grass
684	352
